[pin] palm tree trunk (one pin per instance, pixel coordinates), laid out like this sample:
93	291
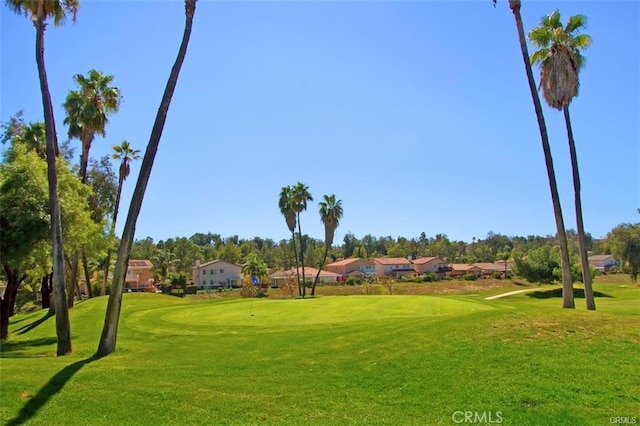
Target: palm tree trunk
304	287
582	241
87	275
295	254
112	232
110	330
567	281
73	282
63	328
315	281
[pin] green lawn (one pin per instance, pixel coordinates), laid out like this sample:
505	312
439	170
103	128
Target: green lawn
397	360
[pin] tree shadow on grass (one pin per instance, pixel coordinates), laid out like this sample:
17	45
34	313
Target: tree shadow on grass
52	387
16	349
578	293
27	328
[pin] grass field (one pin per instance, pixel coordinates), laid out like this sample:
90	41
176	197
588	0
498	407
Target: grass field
405	359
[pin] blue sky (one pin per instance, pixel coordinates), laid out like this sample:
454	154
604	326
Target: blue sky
416	114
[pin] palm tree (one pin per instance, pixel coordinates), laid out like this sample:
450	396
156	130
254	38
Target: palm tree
88	111
560	58
110	329
330	214
39	11
301	196
285	203
126	154
567	281
254	267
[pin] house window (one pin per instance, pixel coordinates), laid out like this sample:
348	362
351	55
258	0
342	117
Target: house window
204	272
213	271
211	282
222	271
204	282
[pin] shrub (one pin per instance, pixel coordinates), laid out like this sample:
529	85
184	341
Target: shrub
354	281
191	289
430	277
469	277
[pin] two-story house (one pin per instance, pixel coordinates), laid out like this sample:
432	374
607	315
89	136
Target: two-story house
436	265
216	274
139	276
353	267
395	267
603	262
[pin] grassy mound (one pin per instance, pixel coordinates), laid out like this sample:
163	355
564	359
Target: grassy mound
331	360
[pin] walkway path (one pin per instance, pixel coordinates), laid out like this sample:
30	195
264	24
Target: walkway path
497	296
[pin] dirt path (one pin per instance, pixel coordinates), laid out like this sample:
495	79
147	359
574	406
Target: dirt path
497	296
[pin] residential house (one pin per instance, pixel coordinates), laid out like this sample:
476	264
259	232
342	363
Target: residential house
436	265
325	277
216	274
395	267
490	269
603	262
139	276
353	267
462	269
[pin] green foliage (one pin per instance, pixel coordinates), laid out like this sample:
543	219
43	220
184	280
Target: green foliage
179	278
624	242
469	277
354	281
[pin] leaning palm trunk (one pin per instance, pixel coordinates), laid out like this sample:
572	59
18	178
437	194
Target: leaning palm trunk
110	330
582	241
324	259
567	281
63	327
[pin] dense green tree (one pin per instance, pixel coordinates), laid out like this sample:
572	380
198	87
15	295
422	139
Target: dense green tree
567	282
110	329
624	243
39	11
560	58
25	220
331	212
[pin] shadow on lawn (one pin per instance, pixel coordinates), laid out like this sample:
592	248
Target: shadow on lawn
15	349
27	328
578	293
53	386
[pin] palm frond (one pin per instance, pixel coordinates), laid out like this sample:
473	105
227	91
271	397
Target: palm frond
575	22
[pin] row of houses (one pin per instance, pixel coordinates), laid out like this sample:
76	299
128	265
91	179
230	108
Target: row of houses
221	274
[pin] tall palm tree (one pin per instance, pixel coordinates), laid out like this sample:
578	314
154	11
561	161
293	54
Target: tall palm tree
40	11
330	214
301	196
560	58
88	110
126	154
110	329
285	203
567	281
